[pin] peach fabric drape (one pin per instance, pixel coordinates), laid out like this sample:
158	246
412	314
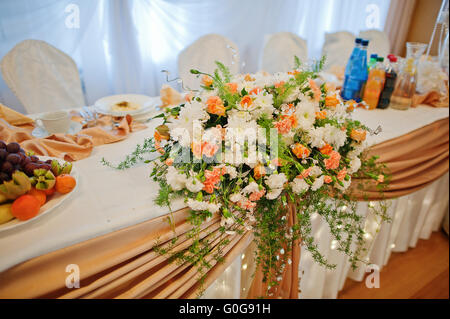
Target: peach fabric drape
69	147
414	160
123	264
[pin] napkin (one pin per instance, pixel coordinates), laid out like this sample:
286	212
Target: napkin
13	117
66	146
169	96
431	98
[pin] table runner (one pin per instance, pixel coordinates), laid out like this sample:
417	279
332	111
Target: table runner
102	260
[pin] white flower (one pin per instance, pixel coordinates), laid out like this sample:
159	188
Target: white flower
194	185
231	171
175	180
250	188
358	148
191	115
276	180
354	165
334	136
339	112
197	205
306	114
274	193
236	197
200	205
288	138
315	137
227	222
213	207
263	103
346	185
315	171
212	135
299	186
317	183
242	127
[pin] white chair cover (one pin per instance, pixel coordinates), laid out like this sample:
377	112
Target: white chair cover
202	54
42	77
279	51
337	48
379	42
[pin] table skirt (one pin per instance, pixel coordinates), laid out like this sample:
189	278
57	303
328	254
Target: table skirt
414	216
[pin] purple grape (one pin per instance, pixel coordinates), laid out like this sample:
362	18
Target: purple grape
3	177
14	159
34	158
7	167
3	153
25	161
13	147
29	168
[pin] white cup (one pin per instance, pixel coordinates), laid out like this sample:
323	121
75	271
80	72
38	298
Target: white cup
55	122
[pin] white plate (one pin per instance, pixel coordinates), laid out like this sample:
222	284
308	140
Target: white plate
41	132
146	103
56	200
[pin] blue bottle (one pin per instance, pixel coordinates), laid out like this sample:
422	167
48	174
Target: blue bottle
354	82
354	54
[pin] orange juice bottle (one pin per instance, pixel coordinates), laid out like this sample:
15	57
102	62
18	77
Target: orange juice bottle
375	84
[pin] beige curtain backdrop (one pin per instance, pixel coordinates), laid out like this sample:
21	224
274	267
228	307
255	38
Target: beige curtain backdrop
397	23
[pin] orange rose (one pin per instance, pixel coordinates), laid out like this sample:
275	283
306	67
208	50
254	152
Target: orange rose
209	149
292	119
315	89
215	106
256	196
342	173
321	115
333	161
331	101
246	101
295	72
207	80
279	84
259	171
305	173
157	136
358	135
188	97
300	150
197	149
254	91
169	161
351	104
276	161
327	179
159	148
232	87
283	126
248	78
327	149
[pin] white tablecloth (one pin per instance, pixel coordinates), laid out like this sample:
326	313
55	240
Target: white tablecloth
107	200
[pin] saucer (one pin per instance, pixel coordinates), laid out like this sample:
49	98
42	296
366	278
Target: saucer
41	132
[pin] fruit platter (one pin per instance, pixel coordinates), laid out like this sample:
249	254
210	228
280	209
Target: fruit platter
31	186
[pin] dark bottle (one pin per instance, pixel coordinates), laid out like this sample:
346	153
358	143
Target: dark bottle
389	84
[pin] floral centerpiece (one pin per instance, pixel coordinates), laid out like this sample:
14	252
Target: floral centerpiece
248	145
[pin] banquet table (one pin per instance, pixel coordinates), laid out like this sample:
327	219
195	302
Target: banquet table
107	200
